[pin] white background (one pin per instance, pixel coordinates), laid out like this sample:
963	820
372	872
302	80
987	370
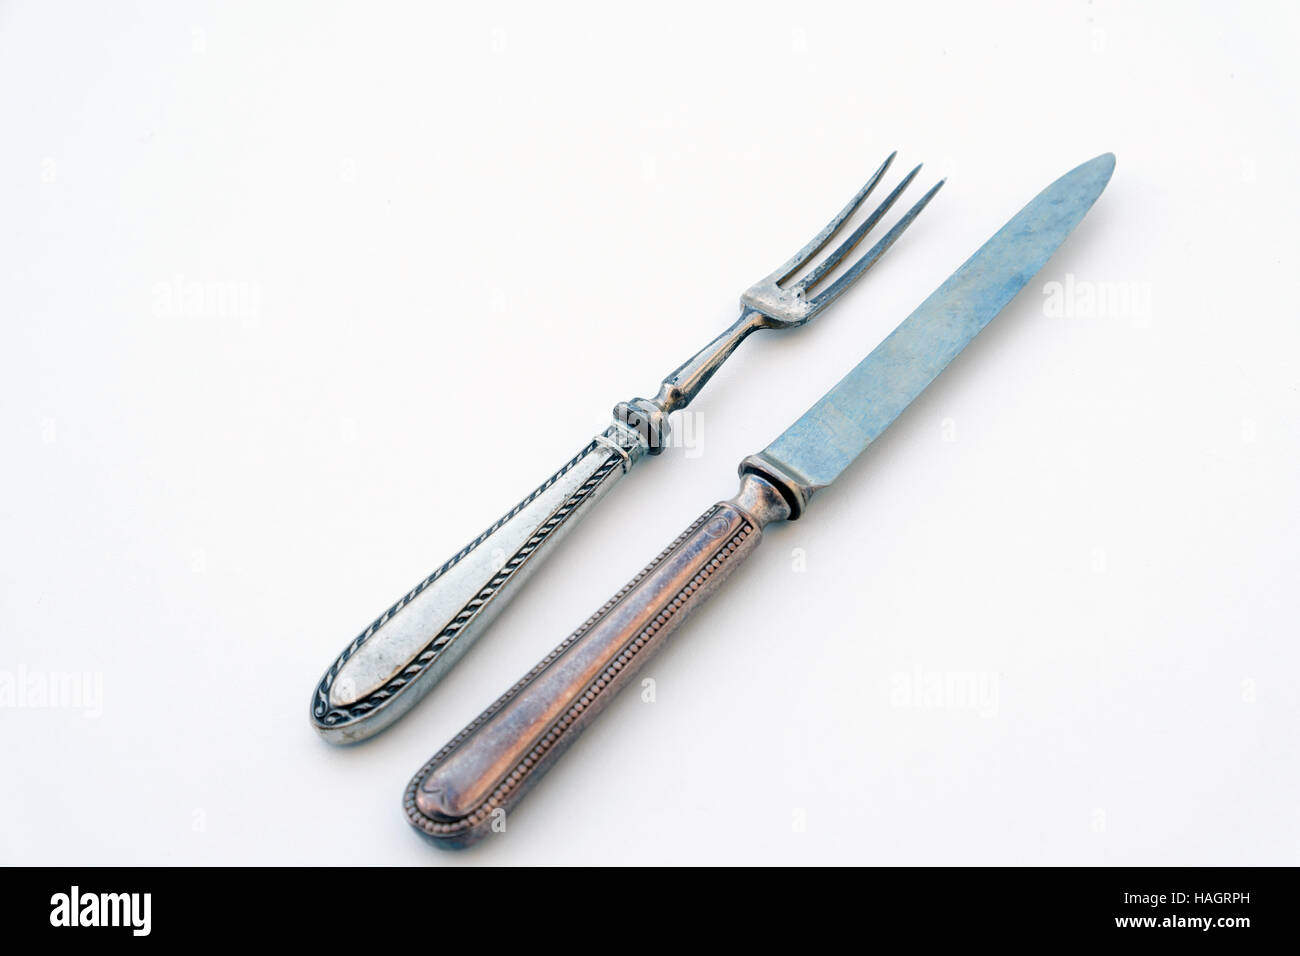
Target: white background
296	298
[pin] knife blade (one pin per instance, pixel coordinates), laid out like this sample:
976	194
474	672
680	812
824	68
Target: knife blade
464	792
813	452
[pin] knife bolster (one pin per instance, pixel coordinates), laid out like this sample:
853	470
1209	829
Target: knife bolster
779	476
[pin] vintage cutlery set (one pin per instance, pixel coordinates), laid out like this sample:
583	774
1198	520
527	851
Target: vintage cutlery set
463	791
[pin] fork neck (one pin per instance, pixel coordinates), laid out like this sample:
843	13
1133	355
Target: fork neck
681	386
647	418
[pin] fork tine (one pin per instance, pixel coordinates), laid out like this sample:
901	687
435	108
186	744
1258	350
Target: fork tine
869	258
849	244
819	241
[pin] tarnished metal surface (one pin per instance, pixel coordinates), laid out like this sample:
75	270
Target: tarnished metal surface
468	785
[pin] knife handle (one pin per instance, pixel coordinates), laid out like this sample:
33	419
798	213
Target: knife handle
464	791
395	661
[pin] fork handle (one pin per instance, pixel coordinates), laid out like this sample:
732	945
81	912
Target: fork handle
464	791
395	661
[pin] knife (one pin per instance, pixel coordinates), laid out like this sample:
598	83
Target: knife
463	793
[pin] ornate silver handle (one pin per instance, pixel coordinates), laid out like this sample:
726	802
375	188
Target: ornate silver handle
397	659
471	783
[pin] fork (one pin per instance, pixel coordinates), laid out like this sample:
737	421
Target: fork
395	661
